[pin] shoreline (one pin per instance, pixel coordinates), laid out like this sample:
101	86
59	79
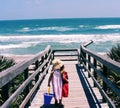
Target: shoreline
20	58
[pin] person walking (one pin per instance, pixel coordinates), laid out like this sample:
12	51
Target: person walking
56	78
65	82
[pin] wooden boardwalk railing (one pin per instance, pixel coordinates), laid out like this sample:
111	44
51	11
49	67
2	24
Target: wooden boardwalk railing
92	62
32	78
82	65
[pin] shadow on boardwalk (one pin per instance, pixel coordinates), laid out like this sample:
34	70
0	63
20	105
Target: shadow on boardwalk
91	97
51	106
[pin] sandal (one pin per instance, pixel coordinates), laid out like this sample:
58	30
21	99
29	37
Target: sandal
61	105
56	103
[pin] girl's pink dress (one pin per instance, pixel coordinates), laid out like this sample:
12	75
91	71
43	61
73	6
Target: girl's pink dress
57	84
65	87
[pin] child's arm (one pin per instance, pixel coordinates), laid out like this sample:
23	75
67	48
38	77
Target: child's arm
50	78
65	78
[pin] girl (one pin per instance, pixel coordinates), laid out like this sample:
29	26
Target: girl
65	87
56	79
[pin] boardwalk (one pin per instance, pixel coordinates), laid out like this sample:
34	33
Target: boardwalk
82	92
80	95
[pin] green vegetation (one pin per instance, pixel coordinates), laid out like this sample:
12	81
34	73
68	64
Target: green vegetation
114	54
13	87
5	63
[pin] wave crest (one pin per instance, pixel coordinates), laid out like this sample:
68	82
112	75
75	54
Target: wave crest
108	27
27	41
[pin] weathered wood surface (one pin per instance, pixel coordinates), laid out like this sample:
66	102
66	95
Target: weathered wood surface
41	62
80	95
102	66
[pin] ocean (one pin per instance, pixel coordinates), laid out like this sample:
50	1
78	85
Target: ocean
23	37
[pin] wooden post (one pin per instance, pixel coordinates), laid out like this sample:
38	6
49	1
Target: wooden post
89	68
94	73
104	84
47	62
80	56
84	55
53	52
42	60
26	90
36	66
52	57
90	42
46	56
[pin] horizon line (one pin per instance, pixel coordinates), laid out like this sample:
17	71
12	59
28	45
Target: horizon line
57	18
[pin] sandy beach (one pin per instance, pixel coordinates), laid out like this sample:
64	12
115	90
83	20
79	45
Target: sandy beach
19	58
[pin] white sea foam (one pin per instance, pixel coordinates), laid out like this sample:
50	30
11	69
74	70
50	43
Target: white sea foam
108	27
56	28
25	29
83	26
80	38
28	41
9	46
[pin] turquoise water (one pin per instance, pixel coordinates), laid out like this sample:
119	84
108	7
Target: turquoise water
31	36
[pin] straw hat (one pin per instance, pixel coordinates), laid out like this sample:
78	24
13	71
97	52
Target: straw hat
57	63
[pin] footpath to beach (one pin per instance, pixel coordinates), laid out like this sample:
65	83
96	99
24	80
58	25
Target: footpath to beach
79	95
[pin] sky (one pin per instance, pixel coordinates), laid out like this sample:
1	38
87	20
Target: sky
45	9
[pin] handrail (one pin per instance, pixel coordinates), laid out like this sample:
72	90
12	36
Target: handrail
88	43
71	53
90	61
41	61
104	60
10	73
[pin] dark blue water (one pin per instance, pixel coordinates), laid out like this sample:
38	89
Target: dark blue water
31	36
60	26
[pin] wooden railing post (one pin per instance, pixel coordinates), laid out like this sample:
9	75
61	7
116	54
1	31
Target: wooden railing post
36	66
105	74
26	90
84	55
89	68
53	52
46	55
52	56
37	76
94	73
42	59
43	68
80	56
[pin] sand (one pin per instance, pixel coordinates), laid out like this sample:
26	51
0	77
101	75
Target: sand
19	58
